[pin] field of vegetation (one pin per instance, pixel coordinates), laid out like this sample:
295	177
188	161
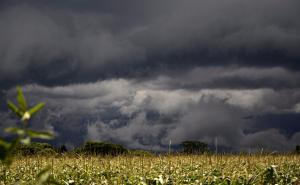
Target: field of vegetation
25	162
164	169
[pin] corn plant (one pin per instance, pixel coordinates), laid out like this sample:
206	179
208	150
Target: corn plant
24	135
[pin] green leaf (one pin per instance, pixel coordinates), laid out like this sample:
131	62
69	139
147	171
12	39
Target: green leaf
14	108
26	140
40	135
3	152
13	144
9	157
4	143
15	130
21	99
3	149
43	176
36	108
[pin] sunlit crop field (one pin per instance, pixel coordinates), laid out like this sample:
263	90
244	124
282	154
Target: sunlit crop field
174	169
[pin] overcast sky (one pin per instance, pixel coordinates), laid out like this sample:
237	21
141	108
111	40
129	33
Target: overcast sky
142	73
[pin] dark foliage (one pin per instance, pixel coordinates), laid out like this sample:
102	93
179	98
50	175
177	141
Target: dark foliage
140	153
35	148
194	147
62	149
298	149
2	152
101	148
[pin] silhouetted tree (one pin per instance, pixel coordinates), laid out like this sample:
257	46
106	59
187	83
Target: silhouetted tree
298	149
35	148
102	148
62	149
194	147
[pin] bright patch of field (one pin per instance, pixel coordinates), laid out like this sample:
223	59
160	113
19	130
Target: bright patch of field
184	169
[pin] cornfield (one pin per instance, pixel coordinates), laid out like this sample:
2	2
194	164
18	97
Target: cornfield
162	169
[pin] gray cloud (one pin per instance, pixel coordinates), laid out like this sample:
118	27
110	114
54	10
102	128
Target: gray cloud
269	139
140	115
90	41
232	77
32	39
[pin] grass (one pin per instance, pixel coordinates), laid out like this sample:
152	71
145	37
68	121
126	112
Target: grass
164	169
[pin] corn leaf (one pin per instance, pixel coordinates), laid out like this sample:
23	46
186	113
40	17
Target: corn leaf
3	152
14	130
36	108
4	143
26	140
40	135
43	176
3	149
14	108
9	157
21	100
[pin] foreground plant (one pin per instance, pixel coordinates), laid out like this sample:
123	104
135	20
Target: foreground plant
24	135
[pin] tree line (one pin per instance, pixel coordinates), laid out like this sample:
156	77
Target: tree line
100	148
106	148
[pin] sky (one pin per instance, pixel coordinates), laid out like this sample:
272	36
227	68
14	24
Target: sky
142	73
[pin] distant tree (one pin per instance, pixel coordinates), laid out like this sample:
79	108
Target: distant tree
35	148
298	149
102	148
194	147
62	149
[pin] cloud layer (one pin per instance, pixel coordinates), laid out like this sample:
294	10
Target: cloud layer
90	41
140	115
143	73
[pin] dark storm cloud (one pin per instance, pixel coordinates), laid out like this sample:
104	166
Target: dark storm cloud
144	115
287	122
144	73
232	77
87	41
